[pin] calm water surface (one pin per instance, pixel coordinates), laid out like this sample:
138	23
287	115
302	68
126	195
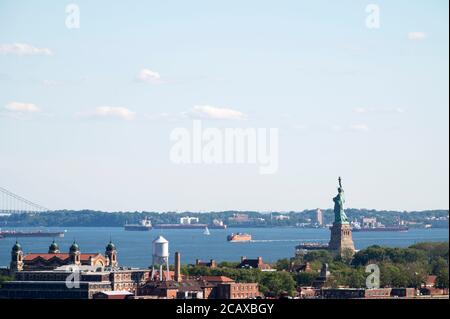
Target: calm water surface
134	248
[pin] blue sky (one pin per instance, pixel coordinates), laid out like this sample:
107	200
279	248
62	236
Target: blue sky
368	104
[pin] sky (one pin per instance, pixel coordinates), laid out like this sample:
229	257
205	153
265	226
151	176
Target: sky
87	105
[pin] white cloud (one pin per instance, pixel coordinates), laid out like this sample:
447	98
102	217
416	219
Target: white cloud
113	112
417	36
146	75
360	110
217	113
23	49
359	127
22	107
386	110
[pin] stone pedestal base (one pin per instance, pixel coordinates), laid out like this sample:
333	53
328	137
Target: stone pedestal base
341	240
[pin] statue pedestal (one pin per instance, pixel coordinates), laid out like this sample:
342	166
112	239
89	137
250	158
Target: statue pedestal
341	239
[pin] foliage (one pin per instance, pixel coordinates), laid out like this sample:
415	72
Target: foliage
90	218
283	264
305	279
4	278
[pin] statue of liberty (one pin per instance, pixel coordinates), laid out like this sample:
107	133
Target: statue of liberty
339	215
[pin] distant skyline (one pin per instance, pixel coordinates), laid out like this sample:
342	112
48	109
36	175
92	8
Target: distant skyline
86	113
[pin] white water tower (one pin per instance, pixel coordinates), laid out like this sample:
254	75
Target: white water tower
160	257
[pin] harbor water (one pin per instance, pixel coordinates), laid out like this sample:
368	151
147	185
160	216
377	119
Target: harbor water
134	248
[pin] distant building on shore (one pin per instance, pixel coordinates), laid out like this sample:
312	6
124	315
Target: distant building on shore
319	217
254	264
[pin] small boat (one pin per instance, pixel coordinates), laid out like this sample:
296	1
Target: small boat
206	232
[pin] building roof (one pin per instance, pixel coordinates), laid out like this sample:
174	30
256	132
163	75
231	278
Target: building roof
431	281
216	279
60	256
117	293
254	263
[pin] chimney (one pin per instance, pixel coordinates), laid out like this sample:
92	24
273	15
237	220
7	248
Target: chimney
177	276
243	258
260	261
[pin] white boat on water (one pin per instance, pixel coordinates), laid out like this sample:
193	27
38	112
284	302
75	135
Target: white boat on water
206	232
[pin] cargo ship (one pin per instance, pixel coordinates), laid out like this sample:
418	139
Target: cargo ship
192	223
144	225
239	237
188	226
38	233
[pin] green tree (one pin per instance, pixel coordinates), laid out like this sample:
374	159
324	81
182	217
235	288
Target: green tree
305	279
322	256
442	278
278	282
283	264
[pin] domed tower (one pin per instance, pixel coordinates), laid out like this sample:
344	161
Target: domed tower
111	254
16	258
74	253
54	248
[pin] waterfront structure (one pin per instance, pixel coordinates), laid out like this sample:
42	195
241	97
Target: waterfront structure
189	220
341	241
280	217
54	258
257	263
319	217
209	264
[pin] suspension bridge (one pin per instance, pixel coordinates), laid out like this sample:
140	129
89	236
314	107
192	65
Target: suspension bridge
11	203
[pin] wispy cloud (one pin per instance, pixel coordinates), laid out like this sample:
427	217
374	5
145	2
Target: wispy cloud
216	113
386	110
200	112
351	128
110	112
22	107
417	36
23	49
149	76
360	127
